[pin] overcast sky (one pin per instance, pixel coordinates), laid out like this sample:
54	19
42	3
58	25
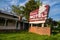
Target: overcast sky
54	6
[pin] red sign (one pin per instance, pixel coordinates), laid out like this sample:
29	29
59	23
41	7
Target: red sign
39	15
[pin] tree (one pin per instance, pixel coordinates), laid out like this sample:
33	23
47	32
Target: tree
49	22
29	6
58	22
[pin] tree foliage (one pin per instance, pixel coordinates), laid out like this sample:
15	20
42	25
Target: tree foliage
16	9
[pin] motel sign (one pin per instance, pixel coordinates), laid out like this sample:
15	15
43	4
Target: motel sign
38	19
39	15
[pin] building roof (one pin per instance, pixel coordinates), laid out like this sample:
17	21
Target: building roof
13	15
8	13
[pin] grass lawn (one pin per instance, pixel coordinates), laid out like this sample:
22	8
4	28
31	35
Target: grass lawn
27	36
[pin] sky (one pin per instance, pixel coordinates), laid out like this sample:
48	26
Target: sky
6	4
54	11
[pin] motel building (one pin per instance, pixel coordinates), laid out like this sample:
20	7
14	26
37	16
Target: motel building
10	21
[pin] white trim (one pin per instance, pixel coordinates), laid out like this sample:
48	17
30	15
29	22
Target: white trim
36	22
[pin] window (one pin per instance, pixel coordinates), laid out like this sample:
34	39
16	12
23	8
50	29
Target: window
2	21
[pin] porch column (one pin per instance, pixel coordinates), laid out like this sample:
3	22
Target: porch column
31	25
19	26
42	24
23	25
16	24
5	24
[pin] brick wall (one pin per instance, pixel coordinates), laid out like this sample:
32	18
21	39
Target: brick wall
40	30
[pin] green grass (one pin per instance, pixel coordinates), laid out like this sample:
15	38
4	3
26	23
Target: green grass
27	36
